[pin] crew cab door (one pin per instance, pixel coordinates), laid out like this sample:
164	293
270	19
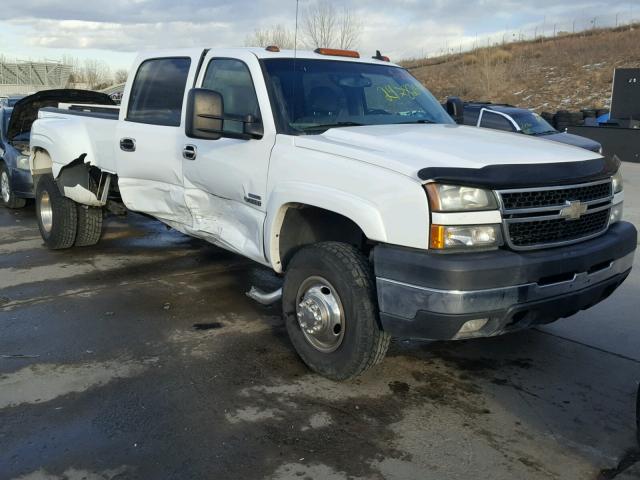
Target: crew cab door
149	138
225	180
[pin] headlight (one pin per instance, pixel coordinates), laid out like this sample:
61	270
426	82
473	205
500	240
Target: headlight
444	237
23	162
616	181
453	198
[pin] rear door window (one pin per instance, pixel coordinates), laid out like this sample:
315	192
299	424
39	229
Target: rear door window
158	90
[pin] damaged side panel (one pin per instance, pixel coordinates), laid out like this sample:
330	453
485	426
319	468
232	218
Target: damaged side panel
226	223
158	199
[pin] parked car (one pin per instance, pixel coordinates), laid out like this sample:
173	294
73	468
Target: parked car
521	120
16	183
10	100
344	175
15	178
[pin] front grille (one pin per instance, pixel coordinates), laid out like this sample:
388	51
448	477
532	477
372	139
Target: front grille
546	198
526	234
536	218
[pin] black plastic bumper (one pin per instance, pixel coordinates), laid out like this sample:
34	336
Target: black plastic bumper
432	296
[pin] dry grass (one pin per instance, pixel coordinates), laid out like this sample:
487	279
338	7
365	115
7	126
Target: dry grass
566	72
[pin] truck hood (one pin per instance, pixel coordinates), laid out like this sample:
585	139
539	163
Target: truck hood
25	111
575	140
407	149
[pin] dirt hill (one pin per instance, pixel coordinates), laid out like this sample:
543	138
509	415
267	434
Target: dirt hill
566	72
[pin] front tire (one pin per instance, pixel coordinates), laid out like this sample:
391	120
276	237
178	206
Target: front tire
330	310
7	197
57	215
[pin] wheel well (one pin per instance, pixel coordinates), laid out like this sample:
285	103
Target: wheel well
42	163
305	225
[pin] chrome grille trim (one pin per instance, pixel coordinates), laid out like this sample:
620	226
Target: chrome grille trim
545	213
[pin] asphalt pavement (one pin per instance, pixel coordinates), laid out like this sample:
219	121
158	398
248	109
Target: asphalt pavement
141	358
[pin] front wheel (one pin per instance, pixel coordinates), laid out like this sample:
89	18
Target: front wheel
7	196
330	309
57	215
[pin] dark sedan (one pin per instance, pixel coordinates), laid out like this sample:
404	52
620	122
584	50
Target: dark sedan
16	183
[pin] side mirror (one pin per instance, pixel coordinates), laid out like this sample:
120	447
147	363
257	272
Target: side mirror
205	114
455	109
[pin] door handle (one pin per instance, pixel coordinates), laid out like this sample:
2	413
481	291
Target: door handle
189	152
127	145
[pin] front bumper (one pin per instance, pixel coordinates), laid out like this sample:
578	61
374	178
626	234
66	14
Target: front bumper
433	295
22	183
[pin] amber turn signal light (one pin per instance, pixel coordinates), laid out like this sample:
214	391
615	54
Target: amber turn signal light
337	53
436	239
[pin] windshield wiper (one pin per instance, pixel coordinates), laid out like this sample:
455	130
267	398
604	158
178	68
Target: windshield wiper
327	126
547	132
422	120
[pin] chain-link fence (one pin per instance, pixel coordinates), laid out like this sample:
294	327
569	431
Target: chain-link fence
549	28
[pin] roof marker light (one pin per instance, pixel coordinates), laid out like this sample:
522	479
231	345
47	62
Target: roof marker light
273	48
334	52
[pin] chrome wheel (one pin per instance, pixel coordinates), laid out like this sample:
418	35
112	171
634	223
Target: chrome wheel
320	314
46	212
5	188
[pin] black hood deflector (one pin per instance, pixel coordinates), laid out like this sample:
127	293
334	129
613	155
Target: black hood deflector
25	111
524	175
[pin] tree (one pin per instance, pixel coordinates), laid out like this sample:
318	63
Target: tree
324	27
96	74
76	75
277	35
120	76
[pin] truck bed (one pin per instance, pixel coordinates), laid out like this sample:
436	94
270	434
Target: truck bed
92	130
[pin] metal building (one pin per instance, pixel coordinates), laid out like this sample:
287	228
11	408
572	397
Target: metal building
28	77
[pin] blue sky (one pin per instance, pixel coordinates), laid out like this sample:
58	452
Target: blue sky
112	31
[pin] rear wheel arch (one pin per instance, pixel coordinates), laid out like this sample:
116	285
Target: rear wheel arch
41	162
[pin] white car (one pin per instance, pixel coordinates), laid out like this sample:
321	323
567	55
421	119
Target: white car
347	177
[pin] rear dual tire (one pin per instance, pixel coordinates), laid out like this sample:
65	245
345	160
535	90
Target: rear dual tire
64	223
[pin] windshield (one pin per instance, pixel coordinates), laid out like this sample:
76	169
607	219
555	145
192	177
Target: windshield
6	115
322	94
532	124
11	101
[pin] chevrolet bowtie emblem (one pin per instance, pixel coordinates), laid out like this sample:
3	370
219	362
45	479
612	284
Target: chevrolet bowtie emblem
574	210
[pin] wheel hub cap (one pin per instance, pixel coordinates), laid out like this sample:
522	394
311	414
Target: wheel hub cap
320	314
5	189
46	212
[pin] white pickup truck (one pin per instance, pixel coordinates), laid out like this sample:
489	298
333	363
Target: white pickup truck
347	177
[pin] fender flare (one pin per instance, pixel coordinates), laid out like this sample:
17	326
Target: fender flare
360	211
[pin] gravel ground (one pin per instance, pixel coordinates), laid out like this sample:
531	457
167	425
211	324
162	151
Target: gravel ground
141	358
